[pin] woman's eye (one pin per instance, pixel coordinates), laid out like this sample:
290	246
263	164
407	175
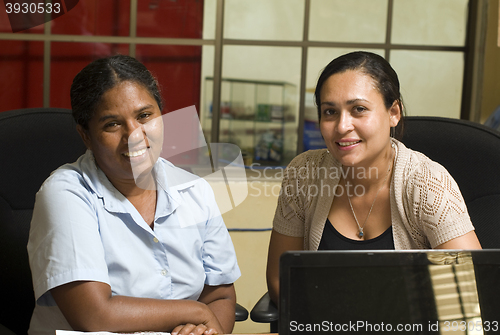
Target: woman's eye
110	125
329	112
359	109
144	115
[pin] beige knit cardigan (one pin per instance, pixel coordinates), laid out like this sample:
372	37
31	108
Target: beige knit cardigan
427	208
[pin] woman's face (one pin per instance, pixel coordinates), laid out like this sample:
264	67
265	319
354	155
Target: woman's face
117	132
354	120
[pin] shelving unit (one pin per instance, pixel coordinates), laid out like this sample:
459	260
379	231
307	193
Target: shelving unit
260	117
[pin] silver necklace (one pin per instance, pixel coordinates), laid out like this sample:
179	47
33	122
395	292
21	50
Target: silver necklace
360	228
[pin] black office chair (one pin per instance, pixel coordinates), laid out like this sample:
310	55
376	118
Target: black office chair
471	153
33	143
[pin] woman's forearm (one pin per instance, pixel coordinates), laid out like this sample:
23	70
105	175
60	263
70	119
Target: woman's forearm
278	244
89	306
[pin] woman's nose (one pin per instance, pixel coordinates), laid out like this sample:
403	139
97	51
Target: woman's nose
344	124
134	133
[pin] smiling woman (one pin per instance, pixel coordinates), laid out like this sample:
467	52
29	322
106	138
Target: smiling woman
382	195
110	248
113	137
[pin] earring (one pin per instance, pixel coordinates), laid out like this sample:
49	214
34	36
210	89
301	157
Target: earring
393	131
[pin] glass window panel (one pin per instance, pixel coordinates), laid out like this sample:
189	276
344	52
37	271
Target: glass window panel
264	19
209	16
178	71
94	17
429	22
262	63
259	102
173	19
431	81
21	66
67	59
362	21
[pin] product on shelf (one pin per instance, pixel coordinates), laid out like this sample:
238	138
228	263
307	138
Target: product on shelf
277	113
269	147
263	112
225	110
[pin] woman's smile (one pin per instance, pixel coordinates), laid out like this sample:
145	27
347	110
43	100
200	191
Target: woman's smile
132	154
137	156
347	144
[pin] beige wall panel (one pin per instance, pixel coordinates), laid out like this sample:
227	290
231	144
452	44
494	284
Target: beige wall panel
491	80
256	212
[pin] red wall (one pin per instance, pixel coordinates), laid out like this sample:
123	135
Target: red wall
177	68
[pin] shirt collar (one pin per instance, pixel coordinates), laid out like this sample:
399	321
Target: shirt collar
170	180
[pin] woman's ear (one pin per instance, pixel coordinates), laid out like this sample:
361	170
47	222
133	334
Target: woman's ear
84	134
395	113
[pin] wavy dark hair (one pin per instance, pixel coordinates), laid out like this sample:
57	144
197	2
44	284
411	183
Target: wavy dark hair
379	69
90	84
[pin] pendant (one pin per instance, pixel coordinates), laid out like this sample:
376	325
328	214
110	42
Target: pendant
360	233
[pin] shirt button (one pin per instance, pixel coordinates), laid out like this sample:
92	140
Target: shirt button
156	240
163	272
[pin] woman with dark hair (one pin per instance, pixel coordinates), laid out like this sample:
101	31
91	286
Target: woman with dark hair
366	190
116	242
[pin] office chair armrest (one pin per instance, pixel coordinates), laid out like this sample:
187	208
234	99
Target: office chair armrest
241	313
6	331
264	311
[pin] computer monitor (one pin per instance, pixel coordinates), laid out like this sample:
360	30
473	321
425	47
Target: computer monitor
379	292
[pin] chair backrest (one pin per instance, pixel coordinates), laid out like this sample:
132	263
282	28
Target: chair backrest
33	143
471	153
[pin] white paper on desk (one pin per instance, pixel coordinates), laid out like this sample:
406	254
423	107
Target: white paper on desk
72	332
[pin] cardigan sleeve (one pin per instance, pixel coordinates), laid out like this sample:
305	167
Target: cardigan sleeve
289	218
434	203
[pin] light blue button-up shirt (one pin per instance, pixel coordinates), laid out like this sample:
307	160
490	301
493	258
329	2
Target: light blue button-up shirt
85	229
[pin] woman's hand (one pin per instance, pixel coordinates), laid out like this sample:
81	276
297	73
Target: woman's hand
221	300
202	329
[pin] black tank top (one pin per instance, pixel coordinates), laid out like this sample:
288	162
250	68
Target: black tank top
333	240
